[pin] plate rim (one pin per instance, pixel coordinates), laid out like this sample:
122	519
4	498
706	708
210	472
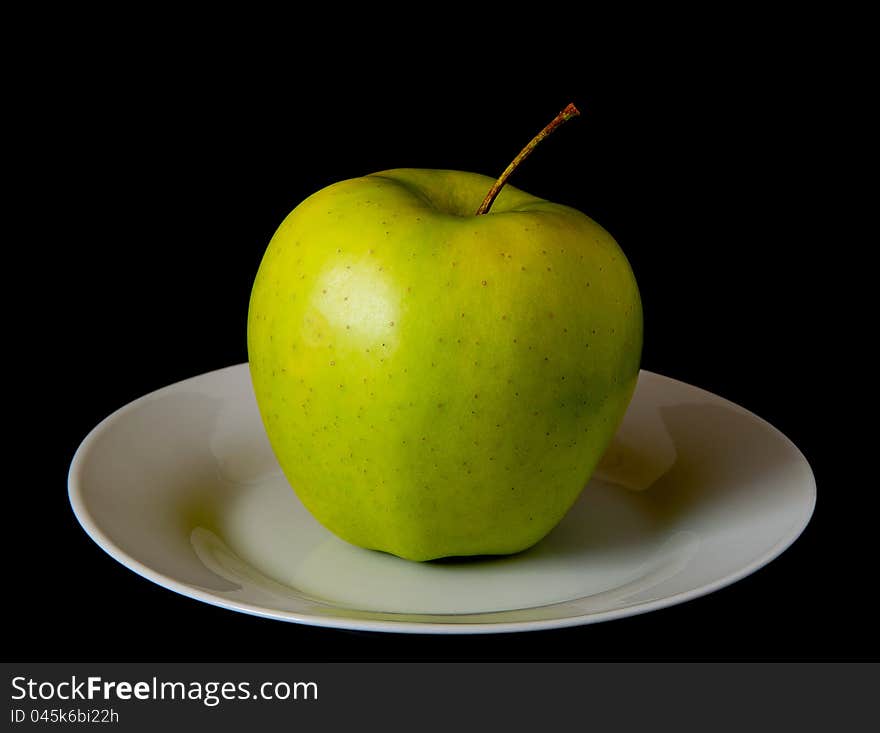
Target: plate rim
100	538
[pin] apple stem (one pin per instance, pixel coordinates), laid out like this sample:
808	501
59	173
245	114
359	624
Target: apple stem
564	116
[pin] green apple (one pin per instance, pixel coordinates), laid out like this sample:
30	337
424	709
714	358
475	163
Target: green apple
438	383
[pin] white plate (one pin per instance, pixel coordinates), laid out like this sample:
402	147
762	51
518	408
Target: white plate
181	486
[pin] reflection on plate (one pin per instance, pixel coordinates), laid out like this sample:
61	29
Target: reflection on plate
695	492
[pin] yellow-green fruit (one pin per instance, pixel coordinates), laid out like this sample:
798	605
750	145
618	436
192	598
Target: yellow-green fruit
436	383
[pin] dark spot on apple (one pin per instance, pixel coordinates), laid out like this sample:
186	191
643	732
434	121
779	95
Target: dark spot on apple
484	283
332	363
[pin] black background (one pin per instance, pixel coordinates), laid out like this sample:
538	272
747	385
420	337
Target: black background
155	184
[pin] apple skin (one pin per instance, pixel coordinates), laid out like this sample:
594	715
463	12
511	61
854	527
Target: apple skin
435	383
